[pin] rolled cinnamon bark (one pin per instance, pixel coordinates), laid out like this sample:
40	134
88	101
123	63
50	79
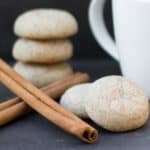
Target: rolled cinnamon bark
9	103
15	108
11	113
50	110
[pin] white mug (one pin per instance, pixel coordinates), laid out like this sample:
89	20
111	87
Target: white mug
131	19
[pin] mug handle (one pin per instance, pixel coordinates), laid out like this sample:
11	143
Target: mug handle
99	30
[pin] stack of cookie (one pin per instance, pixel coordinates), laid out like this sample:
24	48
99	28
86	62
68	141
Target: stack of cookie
43	46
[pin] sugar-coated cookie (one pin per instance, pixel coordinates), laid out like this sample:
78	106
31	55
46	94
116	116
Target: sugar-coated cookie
41	75
49	51
74	99
117	104
45	24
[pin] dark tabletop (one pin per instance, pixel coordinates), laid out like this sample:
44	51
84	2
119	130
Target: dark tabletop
33	132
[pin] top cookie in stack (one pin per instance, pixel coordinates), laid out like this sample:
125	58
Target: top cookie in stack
43	24
43	39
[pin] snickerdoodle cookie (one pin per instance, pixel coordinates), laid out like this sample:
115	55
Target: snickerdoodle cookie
74	99
117	104
45	24
49	51
41	75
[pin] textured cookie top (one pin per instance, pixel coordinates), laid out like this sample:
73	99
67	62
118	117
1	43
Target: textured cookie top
74	99
116	89
45	24
117	104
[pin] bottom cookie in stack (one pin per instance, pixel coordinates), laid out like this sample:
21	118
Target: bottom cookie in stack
41	75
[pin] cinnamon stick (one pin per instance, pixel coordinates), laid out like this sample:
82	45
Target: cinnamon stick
9	103
50	110
34	91
15	108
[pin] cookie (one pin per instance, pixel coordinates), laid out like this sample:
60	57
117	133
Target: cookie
117	104
45	24
74	99
50	51
41	75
